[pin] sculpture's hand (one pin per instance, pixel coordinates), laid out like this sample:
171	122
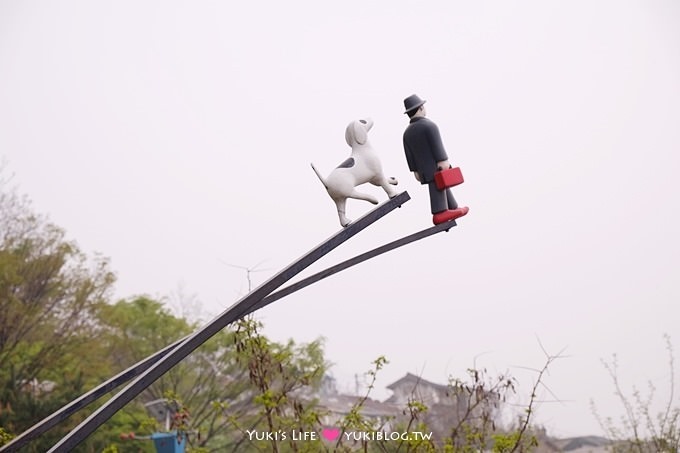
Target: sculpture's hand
443	165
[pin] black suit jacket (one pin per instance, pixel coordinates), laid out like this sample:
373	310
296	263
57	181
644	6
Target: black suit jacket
423	147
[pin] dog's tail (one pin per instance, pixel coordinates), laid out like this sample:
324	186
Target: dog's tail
321	178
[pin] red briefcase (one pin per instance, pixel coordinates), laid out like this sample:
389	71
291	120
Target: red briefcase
448	178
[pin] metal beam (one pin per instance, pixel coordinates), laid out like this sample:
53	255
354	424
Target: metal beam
352	262
240	309
82	401
138	368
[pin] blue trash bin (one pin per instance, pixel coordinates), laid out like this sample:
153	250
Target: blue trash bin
168	442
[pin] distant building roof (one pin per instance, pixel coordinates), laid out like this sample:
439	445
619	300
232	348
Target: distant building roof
342	404
574	443
414	380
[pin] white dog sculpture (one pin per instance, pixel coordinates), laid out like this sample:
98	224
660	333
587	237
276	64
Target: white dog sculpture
361	167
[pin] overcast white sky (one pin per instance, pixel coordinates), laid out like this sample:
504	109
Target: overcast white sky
174	137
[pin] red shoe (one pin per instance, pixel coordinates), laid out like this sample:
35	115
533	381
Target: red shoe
448	215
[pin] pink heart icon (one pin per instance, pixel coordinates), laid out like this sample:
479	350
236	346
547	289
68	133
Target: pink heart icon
330	433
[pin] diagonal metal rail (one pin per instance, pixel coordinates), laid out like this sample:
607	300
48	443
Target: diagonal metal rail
238	310
353	262
85	399
62	414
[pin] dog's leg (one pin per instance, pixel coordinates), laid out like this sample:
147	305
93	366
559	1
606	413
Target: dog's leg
389	190
340	204
363	196
386	184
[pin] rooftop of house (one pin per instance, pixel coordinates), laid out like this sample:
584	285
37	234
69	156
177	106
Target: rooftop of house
342	404
413	380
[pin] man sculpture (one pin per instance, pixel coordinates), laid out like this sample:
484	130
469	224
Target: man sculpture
425	156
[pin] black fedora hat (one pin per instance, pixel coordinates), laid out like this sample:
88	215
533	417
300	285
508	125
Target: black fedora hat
412	102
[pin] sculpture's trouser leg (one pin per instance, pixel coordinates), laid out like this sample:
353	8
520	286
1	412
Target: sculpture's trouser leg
441	200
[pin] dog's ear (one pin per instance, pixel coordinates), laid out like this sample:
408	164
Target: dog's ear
349	134
360	134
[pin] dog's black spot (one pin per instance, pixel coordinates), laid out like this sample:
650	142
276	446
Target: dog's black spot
349	163
362	121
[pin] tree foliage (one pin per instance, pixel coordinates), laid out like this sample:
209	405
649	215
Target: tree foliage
640	429
49	292
470	424
280	399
